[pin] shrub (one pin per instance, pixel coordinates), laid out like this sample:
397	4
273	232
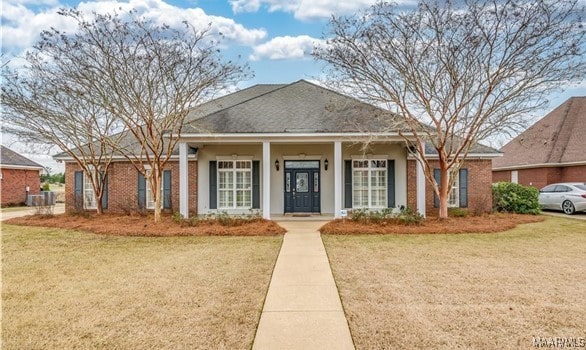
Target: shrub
457	212
409	216
514	198
406	216
221	217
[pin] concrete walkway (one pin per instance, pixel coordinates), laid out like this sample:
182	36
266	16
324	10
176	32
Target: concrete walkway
302	309
24	211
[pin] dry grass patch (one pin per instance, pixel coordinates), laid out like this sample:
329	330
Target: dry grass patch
71	290
497	222
478	291
138	225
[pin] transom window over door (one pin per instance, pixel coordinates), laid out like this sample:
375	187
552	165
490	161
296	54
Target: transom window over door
369	183
235	184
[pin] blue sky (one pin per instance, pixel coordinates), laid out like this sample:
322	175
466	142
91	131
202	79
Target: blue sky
274	36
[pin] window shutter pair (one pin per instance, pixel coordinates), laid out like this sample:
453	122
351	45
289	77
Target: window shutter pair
463	187
78	189
213	188
166	190
390	183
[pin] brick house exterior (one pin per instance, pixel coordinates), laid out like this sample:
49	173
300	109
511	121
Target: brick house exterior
479	190
290	148
550	151
20	177
122	189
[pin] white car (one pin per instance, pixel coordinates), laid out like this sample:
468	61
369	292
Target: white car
569	197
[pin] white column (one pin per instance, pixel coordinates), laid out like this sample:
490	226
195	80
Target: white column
183	183
266	180
420	187
337	178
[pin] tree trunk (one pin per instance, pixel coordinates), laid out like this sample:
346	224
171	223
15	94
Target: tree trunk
99	209
443	193
157	195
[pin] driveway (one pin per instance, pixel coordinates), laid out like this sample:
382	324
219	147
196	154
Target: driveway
9	214
578	216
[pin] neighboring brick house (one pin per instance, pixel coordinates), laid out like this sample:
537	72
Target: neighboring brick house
19	177
551	150
286	149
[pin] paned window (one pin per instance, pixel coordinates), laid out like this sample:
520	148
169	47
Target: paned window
235	184
454	199
150	199
369	183
89	198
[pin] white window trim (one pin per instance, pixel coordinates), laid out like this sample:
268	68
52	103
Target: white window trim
89	191
235	190
370	169
455	193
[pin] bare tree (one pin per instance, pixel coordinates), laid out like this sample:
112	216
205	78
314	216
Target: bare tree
457	74
128	71
45	102
149	76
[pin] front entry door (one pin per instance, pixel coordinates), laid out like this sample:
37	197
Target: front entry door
302	187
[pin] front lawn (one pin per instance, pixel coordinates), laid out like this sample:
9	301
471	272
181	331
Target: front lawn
483	291
71	290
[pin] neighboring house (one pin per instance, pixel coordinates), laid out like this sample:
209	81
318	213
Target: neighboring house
551	150
294	148
19	177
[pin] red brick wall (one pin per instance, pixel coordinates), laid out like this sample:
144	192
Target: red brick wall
501	176
540	177
479	186
14	183
123	186
574	174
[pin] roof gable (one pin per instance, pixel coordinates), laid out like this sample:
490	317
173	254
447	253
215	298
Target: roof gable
556	138
293	108
10	158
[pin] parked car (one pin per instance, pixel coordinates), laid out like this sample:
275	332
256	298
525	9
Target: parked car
568	197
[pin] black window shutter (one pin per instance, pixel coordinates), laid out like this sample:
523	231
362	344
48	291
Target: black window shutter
255	184
213	185
167	189
78	187
463	188
141	191
348	184
391	183
437	176
105	192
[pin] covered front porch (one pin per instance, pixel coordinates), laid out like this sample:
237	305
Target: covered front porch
297	175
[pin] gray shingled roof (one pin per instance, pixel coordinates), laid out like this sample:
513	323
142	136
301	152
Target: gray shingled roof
293	108
556	138
8	157
299	107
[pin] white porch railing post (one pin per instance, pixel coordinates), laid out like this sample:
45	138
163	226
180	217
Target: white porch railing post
337	179
266	180
183	183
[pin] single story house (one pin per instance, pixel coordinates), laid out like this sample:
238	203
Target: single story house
551	150
19	177
286	149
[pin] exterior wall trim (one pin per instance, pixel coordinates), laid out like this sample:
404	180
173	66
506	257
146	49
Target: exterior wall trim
542	165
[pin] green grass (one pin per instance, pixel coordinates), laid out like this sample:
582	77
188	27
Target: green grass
66	289
464	290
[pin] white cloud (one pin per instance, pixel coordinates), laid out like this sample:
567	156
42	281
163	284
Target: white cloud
307	9
21	25
285	47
